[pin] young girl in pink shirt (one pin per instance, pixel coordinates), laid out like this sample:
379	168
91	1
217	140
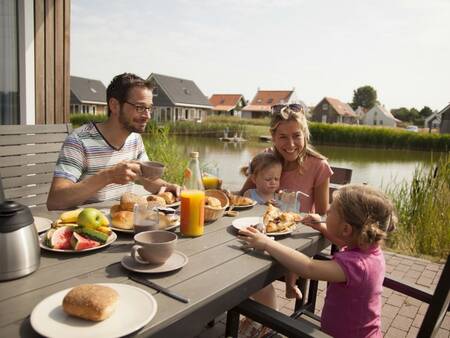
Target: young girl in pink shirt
357	221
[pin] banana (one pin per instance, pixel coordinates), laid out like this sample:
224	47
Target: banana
70	216
104	229
104	221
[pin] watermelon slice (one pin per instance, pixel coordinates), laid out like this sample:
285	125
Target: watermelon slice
61	238
79	242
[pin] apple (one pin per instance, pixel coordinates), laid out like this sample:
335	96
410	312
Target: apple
91	218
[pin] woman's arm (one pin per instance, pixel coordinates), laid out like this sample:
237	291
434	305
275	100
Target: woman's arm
321	197
293	260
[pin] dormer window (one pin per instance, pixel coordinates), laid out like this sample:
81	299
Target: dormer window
93	90
186	91
270	100
222	101
259	100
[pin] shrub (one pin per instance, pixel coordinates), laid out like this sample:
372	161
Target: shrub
79	119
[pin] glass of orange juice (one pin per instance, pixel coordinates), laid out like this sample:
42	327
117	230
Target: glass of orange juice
211	179
192	212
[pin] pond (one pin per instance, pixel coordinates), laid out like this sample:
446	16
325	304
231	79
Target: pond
377	167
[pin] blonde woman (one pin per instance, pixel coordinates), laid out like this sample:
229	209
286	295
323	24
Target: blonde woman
304	169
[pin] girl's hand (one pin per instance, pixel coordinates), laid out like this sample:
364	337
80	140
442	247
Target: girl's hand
254	238
314	221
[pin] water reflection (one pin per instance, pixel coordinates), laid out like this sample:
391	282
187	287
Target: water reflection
377	167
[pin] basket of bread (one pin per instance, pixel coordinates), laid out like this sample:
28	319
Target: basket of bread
216	201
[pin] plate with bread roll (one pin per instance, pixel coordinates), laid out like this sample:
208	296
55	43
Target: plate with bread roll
94	310
121	215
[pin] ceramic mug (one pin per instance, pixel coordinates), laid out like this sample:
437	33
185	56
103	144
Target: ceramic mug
153	247
151	169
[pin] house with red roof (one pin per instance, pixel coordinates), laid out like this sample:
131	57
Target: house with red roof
331	110
227	104
261	105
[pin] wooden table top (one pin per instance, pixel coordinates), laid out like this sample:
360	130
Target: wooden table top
218	276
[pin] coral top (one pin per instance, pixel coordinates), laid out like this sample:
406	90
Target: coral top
314	172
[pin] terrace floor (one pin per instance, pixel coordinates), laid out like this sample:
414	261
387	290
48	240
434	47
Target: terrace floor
401	315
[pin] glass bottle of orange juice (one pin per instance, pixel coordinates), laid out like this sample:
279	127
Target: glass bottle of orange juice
192	200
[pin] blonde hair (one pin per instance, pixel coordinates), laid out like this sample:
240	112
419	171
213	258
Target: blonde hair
369	212
259	163
287	114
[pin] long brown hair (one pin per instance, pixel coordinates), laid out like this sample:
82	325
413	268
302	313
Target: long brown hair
288	114
370	213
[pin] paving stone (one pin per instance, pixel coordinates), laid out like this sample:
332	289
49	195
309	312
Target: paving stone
387	292
423	308
412	333
402	323
446	322
402	267
424	281
396	300
418	267
408	310
398	274
395	333
412	273
389	268
413	301
418	319
434	267
442	333
428	274
389	311
385	323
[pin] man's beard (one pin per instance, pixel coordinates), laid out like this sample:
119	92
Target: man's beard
128	125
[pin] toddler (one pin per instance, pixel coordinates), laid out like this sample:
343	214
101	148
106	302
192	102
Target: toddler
265	172
358	220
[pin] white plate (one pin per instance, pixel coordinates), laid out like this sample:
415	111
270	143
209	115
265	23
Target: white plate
241	207
245	222
176	261
135	309
110	240
42	224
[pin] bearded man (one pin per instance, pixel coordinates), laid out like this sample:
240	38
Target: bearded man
100	161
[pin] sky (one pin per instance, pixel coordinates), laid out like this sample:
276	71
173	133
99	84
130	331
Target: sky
319	47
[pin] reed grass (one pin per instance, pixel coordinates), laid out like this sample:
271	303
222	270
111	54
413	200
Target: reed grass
423	208
159	147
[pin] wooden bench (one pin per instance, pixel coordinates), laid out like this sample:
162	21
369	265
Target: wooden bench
28	155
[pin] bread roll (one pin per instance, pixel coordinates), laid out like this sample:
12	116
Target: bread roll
91	302
213	202
168	197
128	200
161	202
115	208
122	220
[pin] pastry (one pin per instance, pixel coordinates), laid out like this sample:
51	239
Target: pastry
91	302
115	208
240	200
213	202
128	200
277	221
122	220
160	201
168	197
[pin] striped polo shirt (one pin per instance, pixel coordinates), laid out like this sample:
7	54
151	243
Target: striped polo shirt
85	152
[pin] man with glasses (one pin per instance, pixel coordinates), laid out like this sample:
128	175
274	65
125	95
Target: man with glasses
100	161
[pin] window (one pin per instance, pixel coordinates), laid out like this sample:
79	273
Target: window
381	122
9	66
325	106
155	91
93	109
324	118
374	122
270	100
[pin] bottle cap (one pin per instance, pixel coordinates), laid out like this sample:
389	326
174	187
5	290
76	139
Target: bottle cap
194	154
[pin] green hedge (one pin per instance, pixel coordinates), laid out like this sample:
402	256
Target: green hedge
79	119
322	133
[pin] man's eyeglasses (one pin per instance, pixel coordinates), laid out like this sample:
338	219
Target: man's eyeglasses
139	108
295	107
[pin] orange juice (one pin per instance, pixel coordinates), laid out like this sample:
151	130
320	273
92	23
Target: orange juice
211	182
192	212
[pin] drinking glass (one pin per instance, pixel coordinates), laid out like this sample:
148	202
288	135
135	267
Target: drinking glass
146	218
211	179
288	200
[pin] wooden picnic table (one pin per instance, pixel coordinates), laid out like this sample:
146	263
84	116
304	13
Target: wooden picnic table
218	276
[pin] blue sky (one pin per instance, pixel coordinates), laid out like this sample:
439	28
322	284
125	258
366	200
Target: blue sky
320	47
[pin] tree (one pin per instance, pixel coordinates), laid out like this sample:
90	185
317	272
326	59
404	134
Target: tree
365	97
425	112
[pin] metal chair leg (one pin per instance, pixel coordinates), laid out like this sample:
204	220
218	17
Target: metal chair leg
232	326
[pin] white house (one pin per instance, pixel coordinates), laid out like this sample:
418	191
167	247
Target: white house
378	115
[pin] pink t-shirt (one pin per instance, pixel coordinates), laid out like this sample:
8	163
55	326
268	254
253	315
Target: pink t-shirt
353	309
315	172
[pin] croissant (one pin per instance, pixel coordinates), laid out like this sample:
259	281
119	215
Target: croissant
277	221
240	200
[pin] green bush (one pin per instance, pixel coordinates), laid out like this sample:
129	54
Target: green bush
423	208
80	119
